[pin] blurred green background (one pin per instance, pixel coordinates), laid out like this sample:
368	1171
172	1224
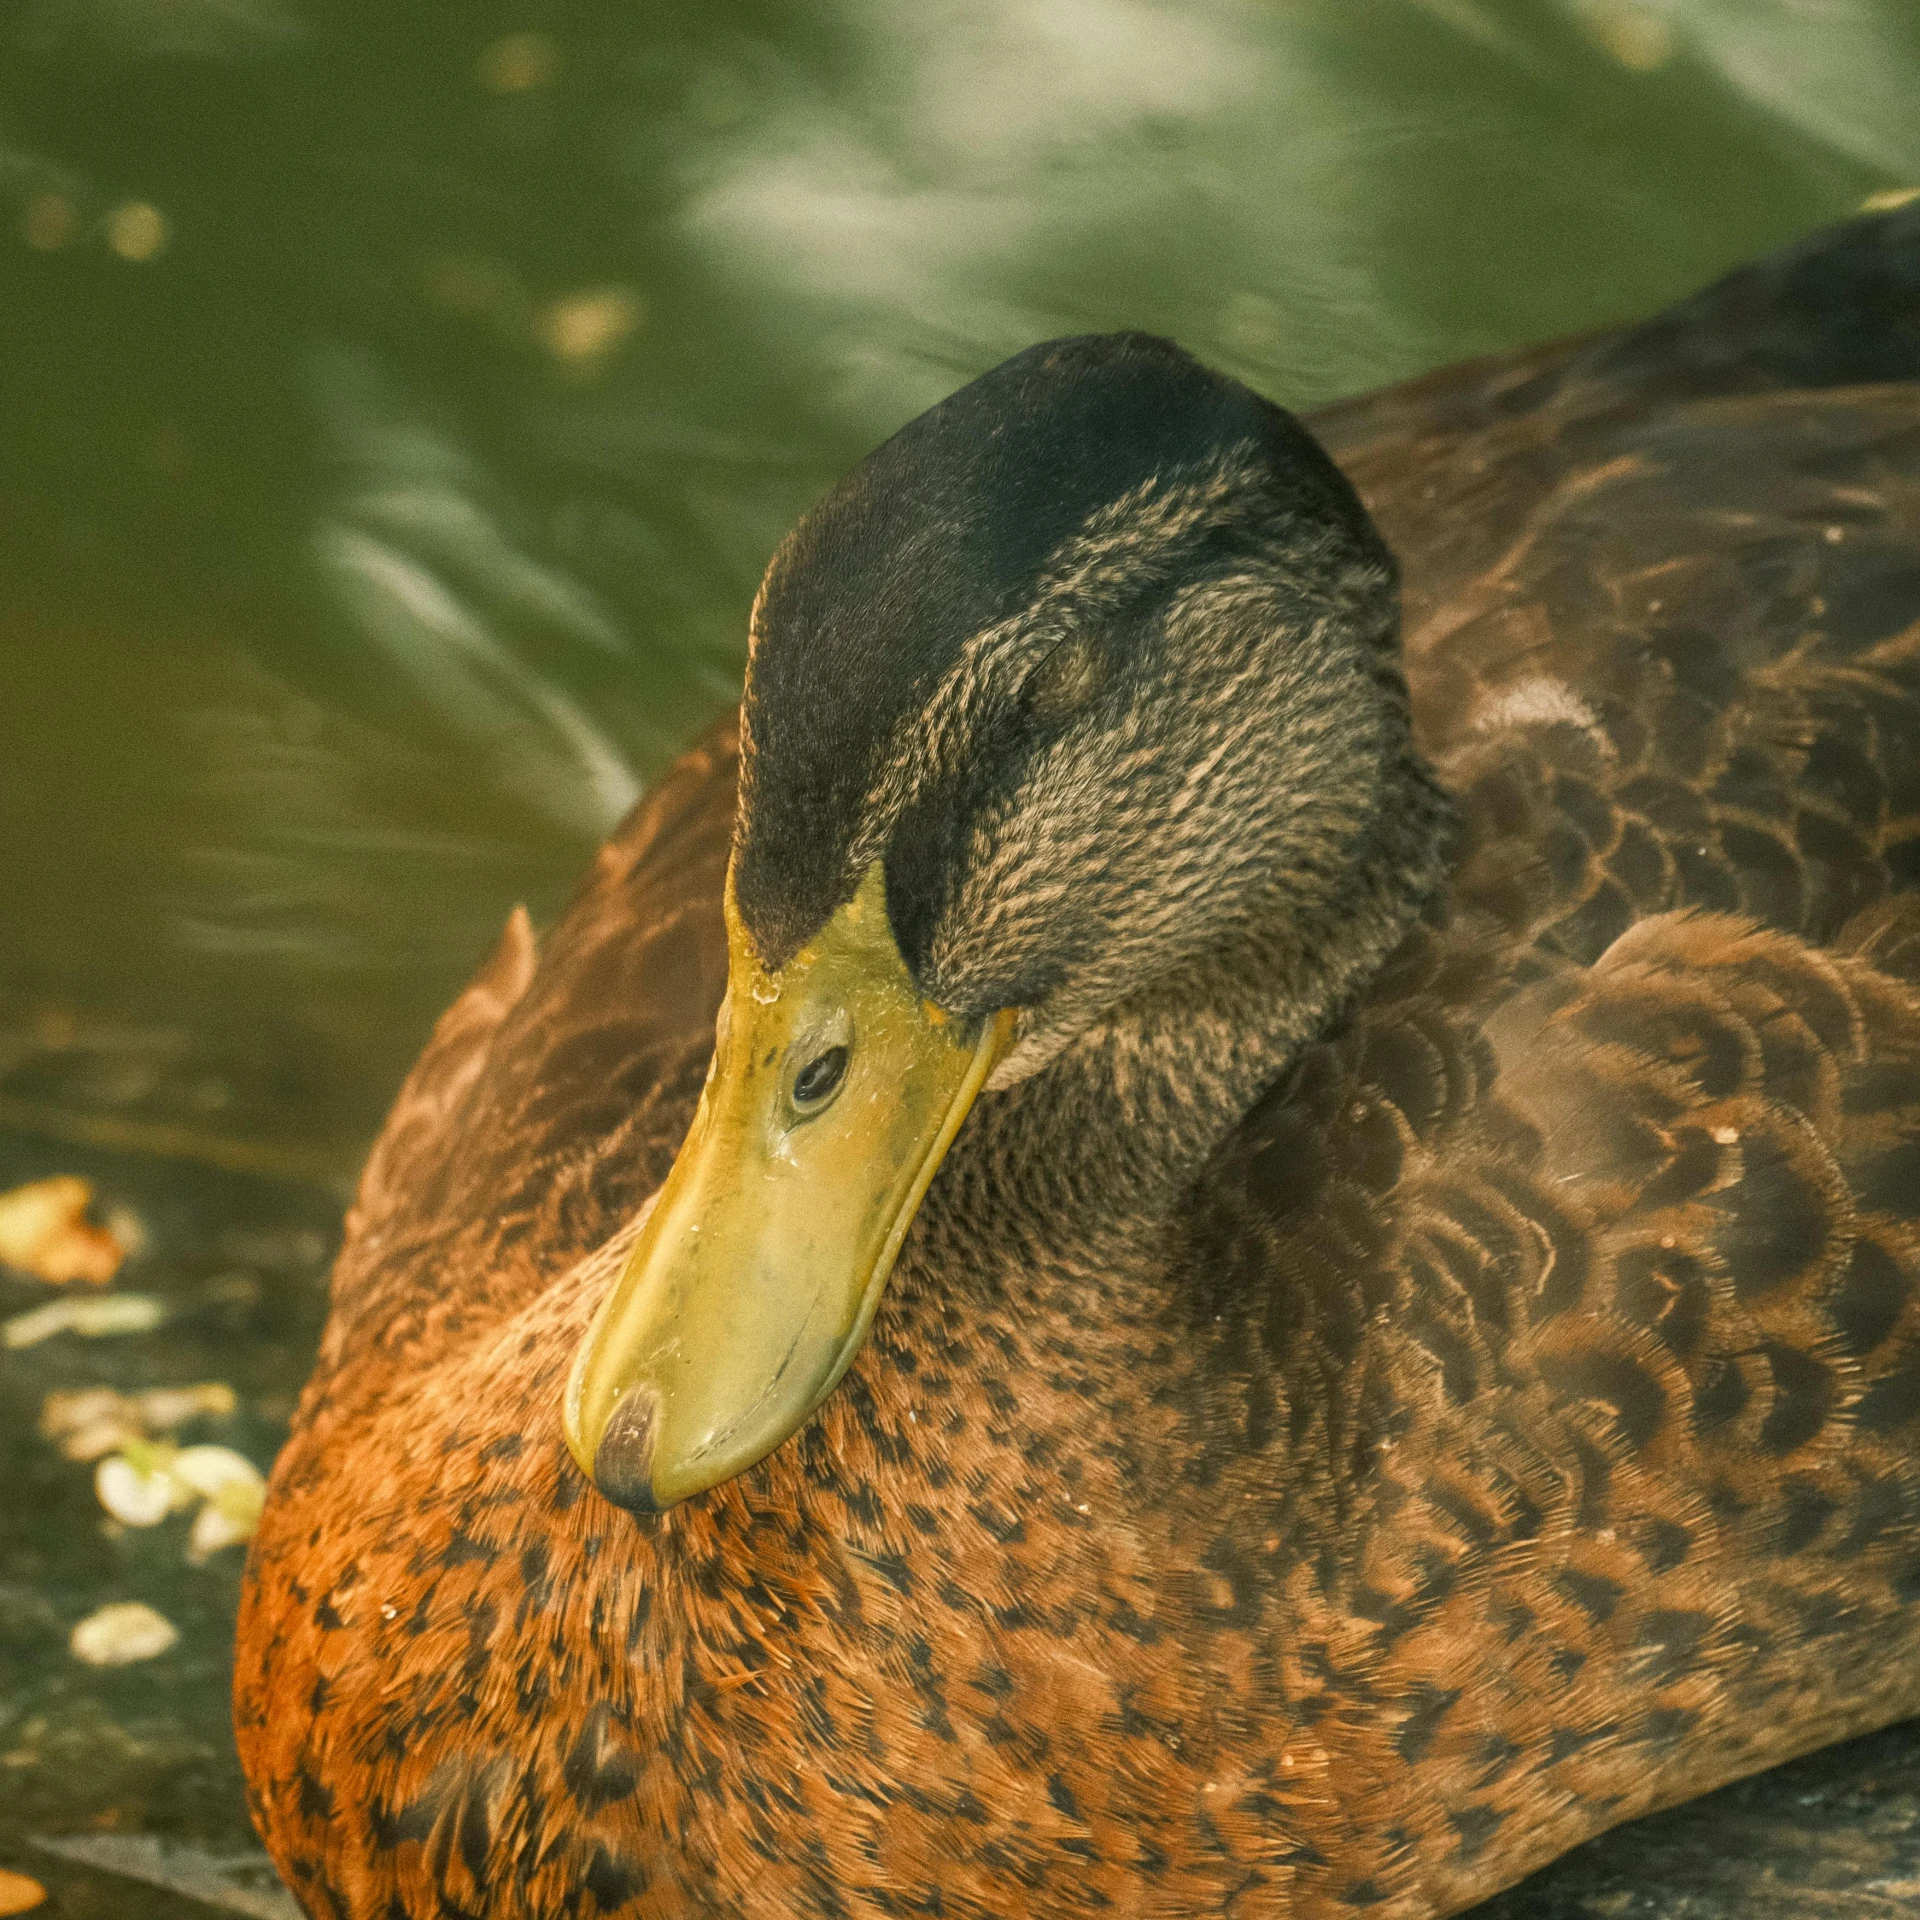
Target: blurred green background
399	401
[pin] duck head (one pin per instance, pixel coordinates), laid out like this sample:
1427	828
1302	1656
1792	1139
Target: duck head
1080	693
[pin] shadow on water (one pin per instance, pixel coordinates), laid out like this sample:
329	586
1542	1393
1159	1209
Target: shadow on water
400	405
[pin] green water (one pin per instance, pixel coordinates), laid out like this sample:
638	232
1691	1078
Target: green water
371	540
398	405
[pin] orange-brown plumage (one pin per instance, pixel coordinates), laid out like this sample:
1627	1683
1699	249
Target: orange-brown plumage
1515	1429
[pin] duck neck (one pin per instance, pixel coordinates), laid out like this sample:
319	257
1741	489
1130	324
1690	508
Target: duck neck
1100	1148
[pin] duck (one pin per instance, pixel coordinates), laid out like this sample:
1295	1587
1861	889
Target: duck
1221	1216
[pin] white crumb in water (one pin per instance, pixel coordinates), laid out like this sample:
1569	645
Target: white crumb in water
122	1633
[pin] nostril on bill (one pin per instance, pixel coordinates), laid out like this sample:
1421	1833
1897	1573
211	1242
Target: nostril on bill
623	1463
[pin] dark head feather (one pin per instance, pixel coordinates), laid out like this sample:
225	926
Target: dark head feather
955	527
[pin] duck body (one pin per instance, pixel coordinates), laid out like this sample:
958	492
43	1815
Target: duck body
1512	1425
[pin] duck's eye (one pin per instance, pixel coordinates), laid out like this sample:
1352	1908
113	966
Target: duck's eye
819	1080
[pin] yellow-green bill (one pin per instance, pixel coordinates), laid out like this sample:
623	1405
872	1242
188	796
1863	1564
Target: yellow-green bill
834	1094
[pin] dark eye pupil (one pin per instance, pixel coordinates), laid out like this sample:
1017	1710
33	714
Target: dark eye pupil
819	1077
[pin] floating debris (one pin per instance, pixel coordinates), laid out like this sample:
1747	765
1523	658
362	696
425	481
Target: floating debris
19	1893
583	329
96	1420
1890	199
518	63
234	1490
44	1231
148	1482
129	1229
137	231
96	1317
137	1488
213	1472
119	1634
239	1883
217	1526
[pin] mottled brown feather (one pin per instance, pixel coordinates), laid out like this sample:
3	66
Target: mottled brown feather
1533	1436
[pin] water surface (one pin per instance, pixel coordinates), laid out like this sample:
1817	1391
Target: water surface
401	402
